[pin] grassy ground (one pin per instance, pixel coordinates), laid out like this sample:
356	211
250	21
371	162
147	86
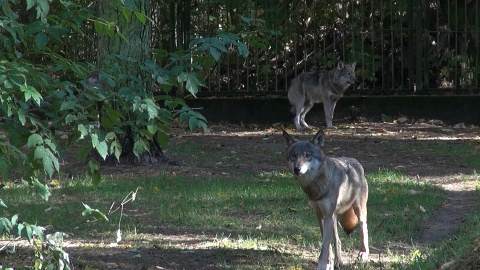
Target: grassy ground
233	205
264	212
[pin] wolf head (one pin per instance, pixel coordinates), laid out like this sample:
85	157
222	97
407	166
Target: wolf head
345	74
304	155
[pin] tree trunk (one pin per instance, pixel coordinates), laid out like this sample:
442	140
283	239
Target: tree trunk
131	41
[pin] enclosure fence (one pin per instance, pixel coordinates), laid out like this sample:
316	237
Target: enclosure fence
400	46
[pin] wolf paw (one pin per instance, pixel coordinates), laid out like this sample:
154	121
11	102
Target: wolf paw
325	267
362	256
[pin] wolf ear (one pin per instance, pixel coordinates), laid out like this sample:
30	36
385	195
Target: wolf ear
289	140
340	65
353	65
319	139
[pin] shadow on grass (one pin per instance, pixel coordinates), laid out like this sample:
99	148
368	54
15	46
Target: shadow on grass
179	258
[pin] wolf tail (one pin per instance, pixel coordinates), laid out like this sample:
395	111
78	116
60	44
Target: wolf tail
348	220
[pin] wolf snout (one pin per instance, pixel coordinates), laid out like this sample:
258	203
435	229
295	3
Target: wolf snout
296	170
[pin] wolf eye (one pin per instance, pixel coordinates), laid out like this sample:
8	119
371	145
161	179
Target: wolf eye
293	156
308	155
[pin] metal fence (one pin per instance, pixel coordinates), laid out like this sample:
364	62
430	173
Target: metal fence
400	46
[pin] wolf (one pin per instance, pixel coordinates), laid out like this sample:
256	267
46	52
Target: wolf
336	189
325	87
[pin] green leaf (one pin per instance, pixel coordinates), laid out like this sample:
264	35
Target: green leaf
29	232
162	139
101	146
22	116
34	28
130	4
31	92
93	172
192	81
41	40
14	219
2	204
215	53
139	148
83	131
30	3
193	123
159	53
184	117
70	119
243	49
4	169
141	17
20	228
247	19
49	160
84	152
110	29
116	149
34	140
41	189
94	212
99	27
126	13
38	230
152	127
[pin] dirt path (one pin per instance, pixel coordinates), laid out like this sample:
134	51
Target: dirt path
461	198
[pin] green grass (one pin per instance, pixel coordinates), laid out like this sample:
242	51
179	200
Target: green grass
261	211
400	204
465	152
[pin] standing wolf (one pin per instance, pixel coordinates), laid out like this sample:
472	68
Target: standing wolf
325	87
336	189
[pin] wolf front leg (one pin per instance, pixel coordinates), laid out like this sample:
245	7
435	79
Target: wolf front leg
326	261
328	108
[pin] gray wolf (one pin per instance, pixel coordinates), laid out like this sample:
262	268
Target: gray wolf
336	189
325	87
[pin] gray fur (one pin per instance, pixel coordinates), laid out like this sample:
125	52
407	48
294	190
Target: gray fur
325	87
333	186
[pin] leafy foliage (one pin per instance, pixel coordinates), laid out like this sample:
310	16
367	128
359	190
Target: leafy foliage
48	253
42	90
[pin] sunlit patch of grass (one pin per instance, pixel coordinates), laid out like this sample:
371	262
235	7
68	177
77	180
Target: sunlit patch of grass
399	205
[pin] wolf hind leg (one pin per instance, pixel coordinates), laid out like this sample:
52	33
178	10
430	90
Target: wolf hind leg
297	109
306	108
329	108
360	209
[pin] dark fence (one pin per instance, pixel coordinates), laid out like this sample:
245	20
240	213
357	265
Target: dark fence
400	46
